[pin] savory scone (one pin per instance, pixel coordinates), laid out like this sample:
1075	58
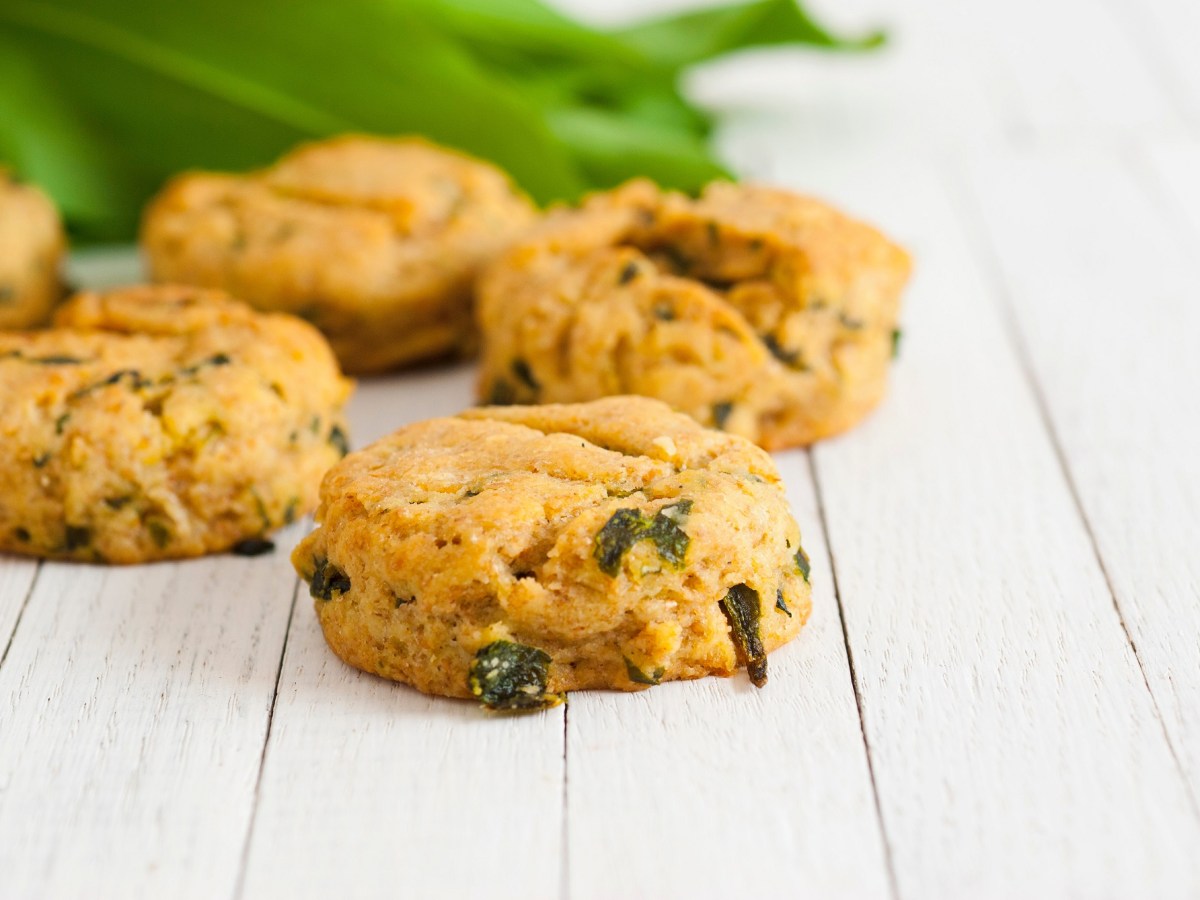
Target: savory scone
31	249
516	553
161	422
375	241
754	310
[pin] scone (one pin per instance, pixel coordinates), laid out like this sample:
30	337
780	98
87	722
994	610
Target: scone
31	249
375	241
751	309
160	422
515	553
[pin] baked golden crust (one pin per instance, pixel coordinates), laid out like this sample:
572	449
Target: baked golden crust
752	309
31	249
606	535
162	422
375	241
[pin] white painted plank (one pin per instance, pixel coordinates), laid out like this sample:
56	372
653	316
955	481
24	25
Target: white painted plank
1168	32
1103	285
373	790
133	710
713	788
16	580
1015	747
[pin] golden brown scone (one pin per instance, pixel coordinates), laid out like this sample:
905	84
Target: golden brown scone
31	249
515	553
375	241
752	309
162	422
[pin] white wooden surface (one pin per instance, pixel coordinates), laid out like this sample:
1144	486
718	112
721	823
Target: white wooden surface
999	693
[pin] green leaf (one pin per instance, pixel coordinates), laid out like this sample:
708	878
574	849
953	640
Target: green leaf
102	100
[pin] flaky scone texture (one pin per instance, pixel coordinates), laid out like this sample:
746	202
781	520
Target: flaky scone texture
31	249
612	544
162	422
752	309
375	241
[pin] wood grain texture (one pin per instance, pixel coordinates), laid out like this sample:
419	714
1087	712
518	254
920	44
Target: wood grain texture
1106	306
371	784
16	581
1016	749
133	707
714	788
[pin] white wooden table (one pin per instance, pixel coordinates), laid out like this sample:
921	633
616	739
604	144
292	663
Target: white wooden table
999	691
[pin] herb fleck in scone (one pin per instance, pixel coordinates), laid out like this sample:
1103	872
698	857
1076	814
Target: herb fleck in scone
162	422
31	249
754	310
515	553
375	241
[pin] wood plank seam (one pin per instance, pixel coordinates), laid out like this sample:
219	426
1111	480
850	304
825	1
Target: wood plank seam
986	253
240	884
21	612
564	889
893	882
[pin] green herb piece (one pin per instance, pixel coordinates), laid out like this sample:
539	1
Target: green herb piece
136	382
256	547
40	460
7	293
117	502
502	393
714	232
160	532
802	564
217	359
327	580
54	360
664	311
338	440
665	532
628	273
793	358
628	526
780	604
21	533
849	322
77	537
721	411
524	374
506	675
289	511
315	425
741	608
897	334
61	422
637	676
675	258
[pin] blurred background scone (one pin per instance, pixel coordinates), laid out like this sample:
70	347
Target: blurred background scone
375	241
752	309
162	422
31	250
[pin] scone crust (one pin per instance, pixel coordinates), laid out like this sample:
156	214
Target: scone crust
375	241
752	309
31	250
455	533
162	422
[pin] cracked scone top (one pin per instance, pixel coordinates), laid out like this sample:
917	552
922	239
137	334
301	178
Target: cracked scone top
375	241
515	553
31	249
162	422
752	309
